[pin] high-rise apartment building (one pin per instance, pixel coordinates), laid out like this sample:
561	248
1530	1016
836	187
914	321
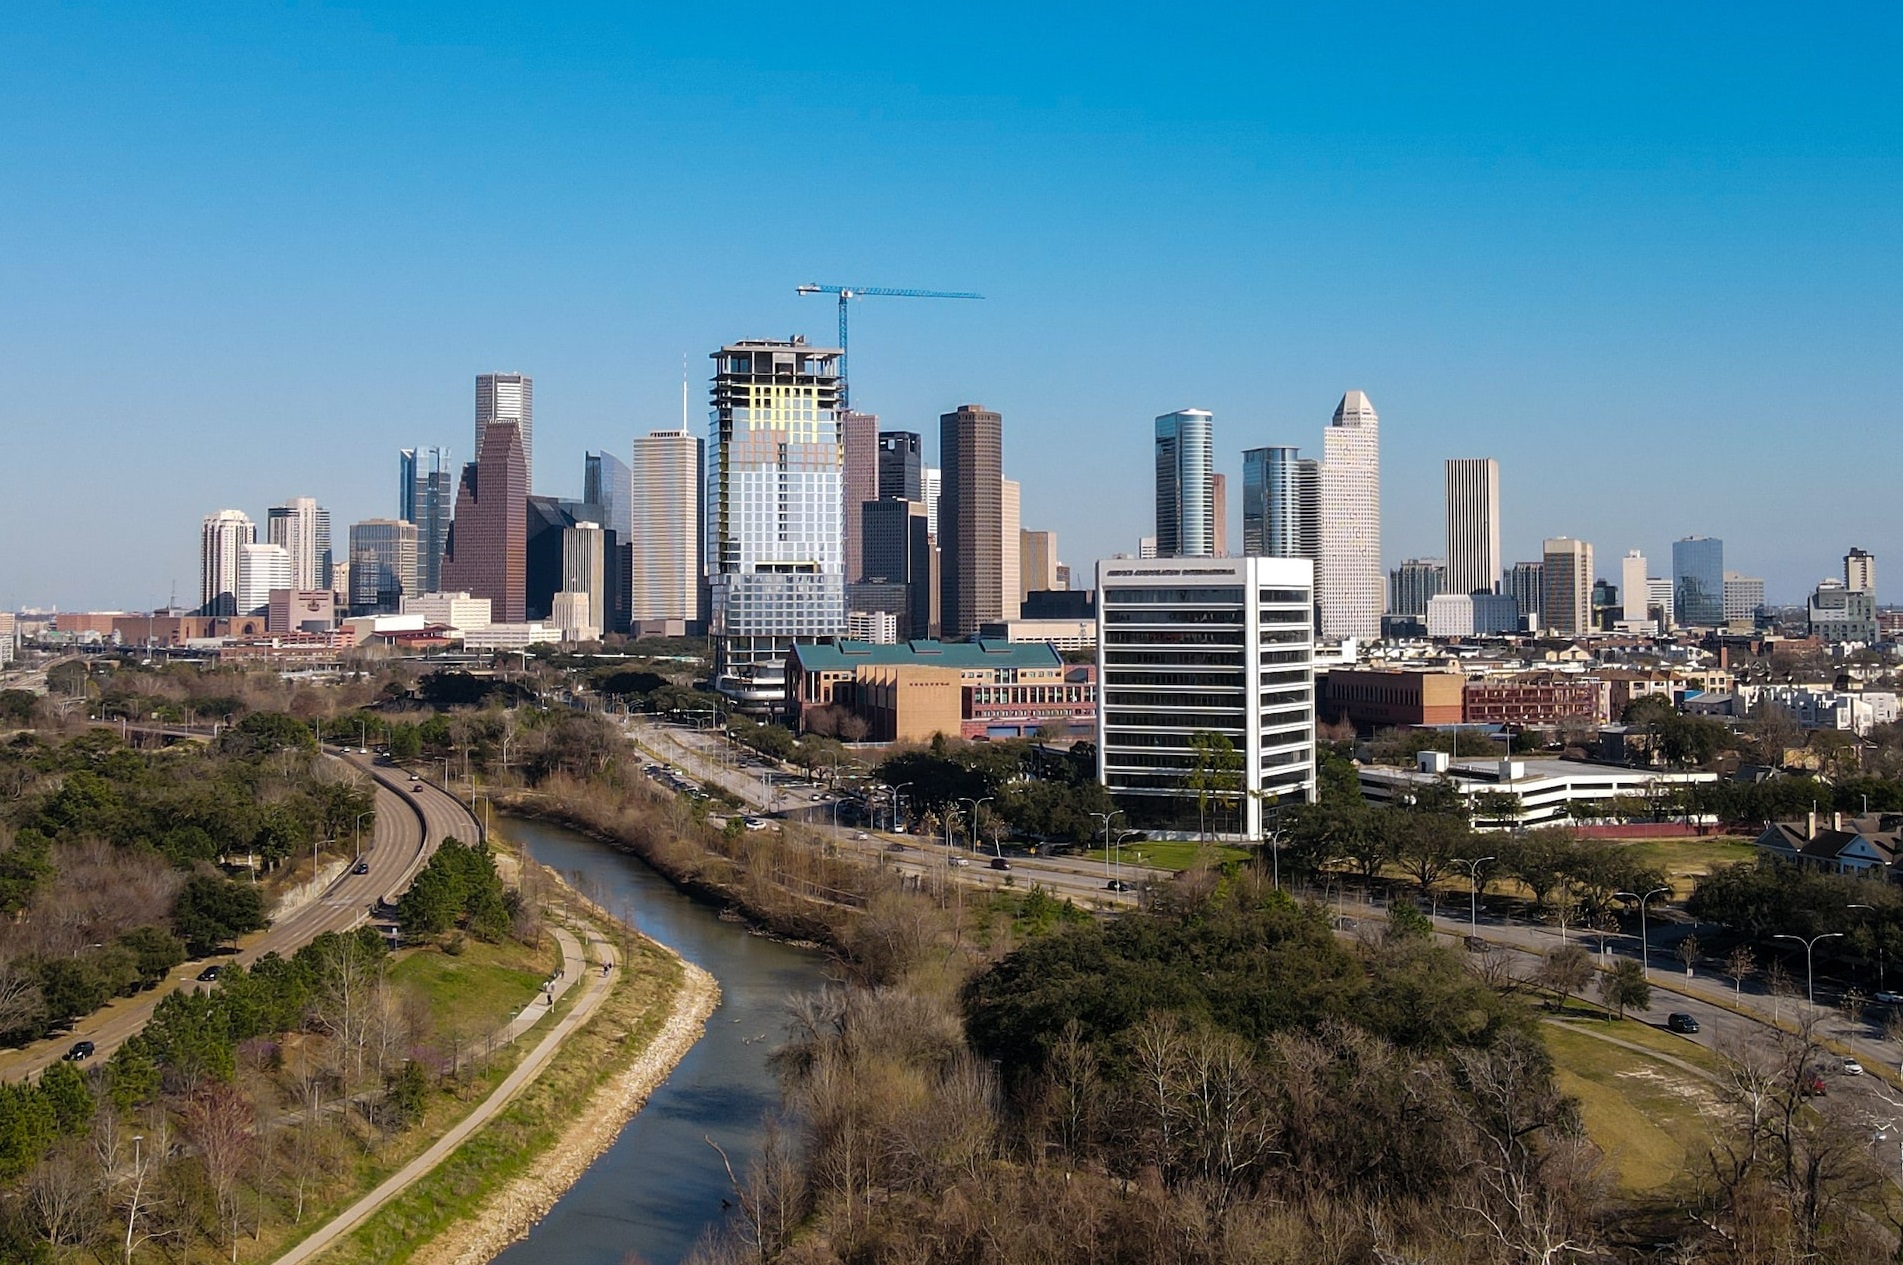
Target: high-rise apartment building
384	565
1633	592
1185	491
508	397
1281	504
426	496
1011	525
859	473
668	535
1037	563
608	482
221	540
1350	580
261	568
1744	598
302	526
1473	525
900	471
1245	673
931	480
775	525
488	541
1658	597
1413	584
1698	581
970	519
1860	572
1567	571
1525	583
585	577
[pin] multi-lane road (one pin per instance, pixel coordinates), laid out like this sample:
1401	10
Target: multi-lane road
412	818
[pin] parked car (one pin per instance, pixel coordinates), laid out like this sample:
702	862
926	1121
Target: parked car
81	1051
210	974
1679	1021
1852	1068
999	863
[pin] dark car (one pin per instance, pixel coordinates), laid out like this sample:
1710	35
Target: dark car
361	867
1679	1021
210	974
999	863
81	1051
1118	885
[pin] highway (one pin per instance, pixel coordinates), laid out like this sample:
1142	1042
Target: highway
408	826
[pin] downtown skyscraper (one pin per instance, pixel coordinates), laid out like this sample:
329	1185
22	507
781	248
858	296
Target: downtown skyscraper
667	534
488	541
1566	574
1473	525
970	519
302	526
508	397
1185	484
426	496
1281	504
1351	587
775	512
1698	581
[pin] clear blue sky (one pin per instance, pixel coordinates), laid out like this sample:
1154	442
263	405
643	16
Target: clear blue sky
1648	256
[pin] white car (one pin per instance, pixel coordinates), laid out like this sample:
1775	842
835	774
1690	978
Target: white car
958	861
1852	1068
1890	999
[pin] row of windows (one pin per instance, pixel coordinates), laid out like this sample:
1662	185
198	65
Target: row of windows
1209	679
1283	595
1230	700
1288	677
1285	656
1170	637
1276	698
1228	615
1174	658
1034	694
1177	738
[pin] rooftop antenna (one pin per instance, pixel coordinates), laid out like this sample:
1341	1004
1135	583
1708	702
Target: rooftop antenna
683	393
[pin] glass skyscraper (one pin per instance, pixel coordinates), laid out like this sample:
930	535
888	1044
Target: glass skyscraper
426	496
1185	484
1281	504
1698	581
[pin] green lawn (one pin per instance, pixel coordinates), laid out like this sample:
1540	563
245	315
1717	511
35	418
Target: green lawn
1643	1113
1684	861
1684	1049
1171	855
478	990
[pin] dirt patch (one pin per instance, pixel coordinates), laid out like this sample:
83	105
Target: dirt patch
512	1211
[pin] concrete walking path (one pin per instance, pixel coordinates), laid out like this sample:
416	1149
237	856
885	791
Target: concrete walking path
574	969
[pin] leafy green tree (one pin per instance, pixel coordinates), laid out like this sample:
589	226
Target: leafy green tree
1215	777
65	1091
262	733
155	952
406	742
1625	987
72	987
212	911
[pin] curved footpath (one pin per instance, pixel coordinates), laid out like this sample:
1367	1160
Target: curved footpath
509	1213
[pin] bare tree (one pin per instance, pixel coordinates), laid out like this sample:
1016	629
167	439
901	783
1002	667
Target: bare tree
62	1190
1739	965
218	1120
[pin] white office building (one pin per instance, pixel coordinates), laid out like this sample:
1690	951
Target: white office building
302	526
1744	598
1350	583
1190	646
450	610
1011	558
508	397
261	568
1453	615
1473	525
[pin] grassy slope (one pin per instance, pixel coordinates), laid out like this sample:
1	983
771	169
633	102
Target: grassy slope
1643	1113
479	990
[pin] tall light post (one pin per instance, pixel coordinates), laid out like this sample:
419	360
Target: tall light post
357	829
314	844
1121	836
1810	947
974	818
1473	901
897	799
1645	945
1105	819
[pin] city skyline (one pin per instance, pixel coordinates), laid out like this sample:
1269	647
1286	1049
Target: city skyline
1638	261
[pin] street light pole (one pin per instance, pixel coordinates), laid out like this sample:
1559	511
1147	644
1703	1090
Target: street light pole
897	799
1645	945
1810	946
974	818
1473	903
357	829
1105	819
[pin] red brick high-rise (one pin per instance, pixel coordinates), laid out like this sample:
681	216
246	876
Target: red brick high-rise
488	539
859	464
